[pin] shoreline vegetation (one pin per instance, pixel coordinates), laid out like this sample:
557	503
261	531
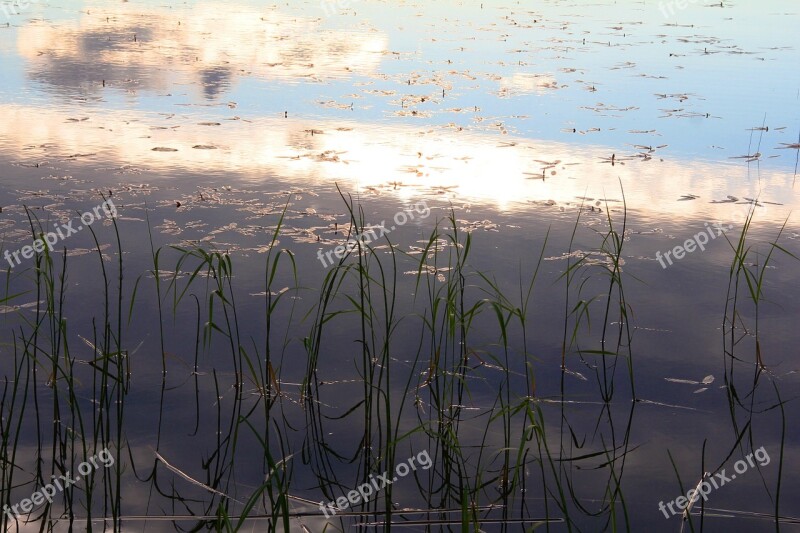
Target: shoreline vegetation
522	459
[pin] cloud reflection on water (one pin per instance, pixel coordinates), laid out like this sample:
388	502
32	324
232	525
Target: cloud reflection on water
405	160
137	49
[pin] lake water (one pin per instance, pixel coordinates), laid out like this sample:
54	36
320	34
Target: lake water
578	287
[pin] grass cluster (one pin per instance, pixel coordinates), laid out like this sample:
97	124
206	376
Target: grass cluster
453	371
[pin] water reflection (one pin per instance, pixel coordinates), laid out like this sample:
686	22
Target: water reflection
297	384
406	161
154	48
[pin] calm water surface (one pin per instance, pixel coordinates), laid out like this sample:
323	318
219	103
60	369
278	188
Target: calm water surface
537	126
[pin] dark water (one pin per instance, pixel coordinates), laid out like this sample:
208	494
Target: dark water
203	121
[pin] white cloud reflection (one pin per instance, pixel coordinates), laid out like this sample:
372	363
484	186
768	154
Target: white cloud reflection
403	159
137	48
